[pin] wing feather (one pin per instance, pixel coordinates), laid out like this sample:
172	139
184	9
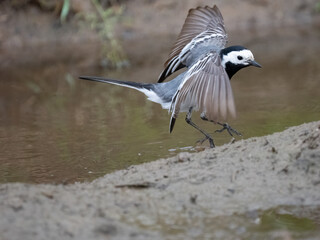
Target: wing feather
200	23
206	88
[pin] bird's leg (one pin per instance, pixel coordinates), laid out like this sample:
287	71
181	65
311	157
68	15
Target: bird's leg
225	126
189	121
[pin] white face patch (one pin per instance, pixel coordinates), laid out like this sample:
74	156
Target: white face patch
242	57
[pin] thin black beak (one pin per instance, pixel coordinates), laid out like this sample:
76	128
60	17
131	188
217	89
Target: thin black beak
255	64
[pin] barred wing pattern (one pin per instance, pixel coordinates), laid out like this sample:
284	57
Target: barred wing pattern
203	25
206	88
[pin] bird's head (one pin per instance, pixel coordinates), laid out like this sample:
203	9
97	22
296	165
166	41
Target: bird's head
236	57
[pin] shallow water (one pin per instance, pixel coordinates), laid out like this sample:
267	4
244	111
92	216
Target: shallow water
55	128
283	222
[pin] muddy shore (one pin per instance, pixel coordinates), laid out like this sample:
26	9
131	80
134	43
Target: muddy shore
175	198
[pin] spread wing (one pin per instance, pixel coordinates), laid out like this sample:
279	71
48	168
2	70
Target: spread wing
203	26
206	88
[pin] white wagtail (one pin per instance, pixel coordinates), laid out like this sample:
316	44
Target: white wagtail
205	85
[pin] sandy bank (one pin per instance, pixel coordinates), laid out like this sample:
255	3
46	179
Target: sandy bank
174	198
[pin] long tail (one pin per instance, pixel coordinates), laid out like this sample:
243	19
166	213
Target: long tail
149	89
138	86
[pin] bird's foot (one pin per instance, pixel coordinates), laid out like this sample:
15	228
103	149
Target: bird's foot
209	138
231	131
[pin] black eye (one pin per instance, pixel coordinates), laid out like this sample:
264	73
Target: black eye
240	57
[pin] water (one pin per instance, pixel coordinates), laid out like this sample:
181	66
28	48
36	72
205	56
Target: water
283	222
55	128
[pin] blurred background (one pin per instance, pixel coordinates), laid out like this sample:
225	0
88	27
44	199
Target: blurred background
55	128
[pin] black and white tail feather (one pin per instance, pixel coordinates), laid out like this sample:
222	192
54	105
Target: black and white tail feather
150	90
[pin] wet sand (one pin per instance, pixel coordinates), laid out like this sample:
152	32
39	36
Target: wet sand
172	198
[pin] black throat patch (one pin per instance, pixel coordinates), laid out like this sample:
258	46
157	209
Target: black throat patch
232	69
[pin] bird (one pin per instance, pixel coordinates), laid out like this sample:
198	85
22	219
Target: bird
209	65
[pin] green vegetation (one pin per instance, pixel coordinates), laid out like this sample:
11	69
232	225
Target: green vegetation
65	10
99	15
317	7
103	21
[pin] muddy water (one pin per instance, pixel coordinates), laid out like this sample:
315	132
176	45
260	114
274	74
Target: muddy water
55	128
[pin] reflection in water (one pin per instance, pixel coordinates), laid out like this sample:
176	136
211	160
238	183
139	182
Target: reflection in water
55	128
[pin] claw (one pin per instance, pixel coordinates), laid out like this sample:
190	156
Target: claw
211	143
201	141
230	130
